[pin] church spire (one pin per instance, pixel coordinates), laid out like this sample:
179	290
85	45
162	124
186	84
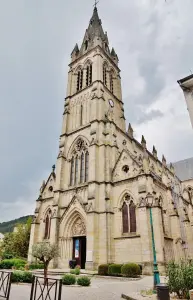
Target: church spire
95	35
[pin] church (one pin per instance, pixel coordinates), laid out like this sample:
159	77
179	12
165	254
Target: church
96	203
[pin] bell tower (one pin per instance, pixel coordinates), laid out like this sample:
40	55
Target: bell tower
94	83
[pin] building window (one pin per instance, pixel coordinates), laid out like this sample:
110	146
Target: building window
47	225
111	82
125	218
82	165
132	217
86	166
72	172
79	163
79	80
76	170
88	75
105	75
129	215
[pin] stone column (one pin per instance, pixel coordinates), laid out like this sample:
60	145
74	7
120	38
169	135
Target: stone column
54	232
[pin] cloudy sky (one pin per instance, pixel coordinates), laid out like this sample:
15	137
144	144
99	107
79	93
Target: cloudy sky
153	39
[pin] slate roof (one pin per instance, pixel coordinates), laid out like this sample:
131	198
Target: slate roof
184	169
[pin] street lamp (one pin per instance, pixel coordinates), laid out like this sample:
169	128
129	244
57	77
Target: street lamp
150	199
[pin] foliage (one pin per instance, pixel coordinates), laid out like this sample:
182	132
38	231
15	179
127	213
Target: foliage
45	252
115	269
69	279
84	281
16	244
36	266
103	269
180	278
20	276
10	263
130	270
75	271
6	227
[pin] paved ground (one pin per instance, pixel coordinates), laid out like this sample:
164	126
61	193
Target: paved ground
100	289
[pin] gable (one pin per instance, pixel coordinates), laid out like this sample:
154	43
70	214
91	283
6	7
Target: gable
48	188
127	166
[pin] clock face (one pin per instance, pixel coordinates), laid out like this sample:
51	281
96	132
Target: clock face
111	103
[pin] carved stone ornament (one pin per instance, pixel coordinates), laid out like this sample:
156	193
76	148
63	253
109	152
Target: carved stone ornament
80	145
79	228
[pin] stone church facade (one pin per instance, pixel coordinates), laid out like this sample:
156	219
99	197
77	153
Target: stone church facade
96	203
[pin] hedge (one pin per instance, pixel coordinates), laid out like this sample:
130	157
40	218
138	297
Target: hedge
115	269
14	262
20	276
36	266
103	269
130	270
69	279
84	281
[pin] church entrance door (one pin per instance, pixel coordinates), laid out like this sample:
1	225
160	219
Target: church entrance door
79	250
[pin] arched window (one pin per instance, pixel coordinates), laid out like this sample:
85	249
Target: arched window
47	225
79	80
132	217
105	74
79	163
72	172
125	218
82	165
76	170
86	166
88	75
111	82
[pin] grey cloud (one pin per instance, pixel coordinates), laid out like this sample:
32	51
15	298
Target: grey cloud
153	114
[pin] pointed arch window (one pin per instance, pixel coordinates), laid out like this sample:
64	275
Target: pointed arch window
111	82
125	218
86	45
88	75
79	80
72	172
76	170
105	74
132	217
86	166
82	168
47	225
79	163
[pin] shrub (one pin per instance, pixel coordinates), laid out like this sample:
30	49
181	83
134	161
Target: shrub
75	271
36	266
103	269
20	276
68	279
130	270
114	269
14	262
84	281
180	278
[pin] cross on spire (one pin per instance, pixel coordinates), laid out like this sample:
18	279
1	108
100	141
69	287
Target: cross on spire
95	4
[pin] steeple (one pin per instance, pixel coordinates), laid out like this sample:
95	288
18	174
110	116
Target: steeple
94	34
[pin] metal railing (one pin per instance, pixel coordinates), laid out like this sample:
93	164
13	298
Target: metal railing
46	289
5	284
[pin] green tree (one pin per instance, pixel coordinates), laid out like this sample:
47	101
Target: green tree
17	243
45	252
